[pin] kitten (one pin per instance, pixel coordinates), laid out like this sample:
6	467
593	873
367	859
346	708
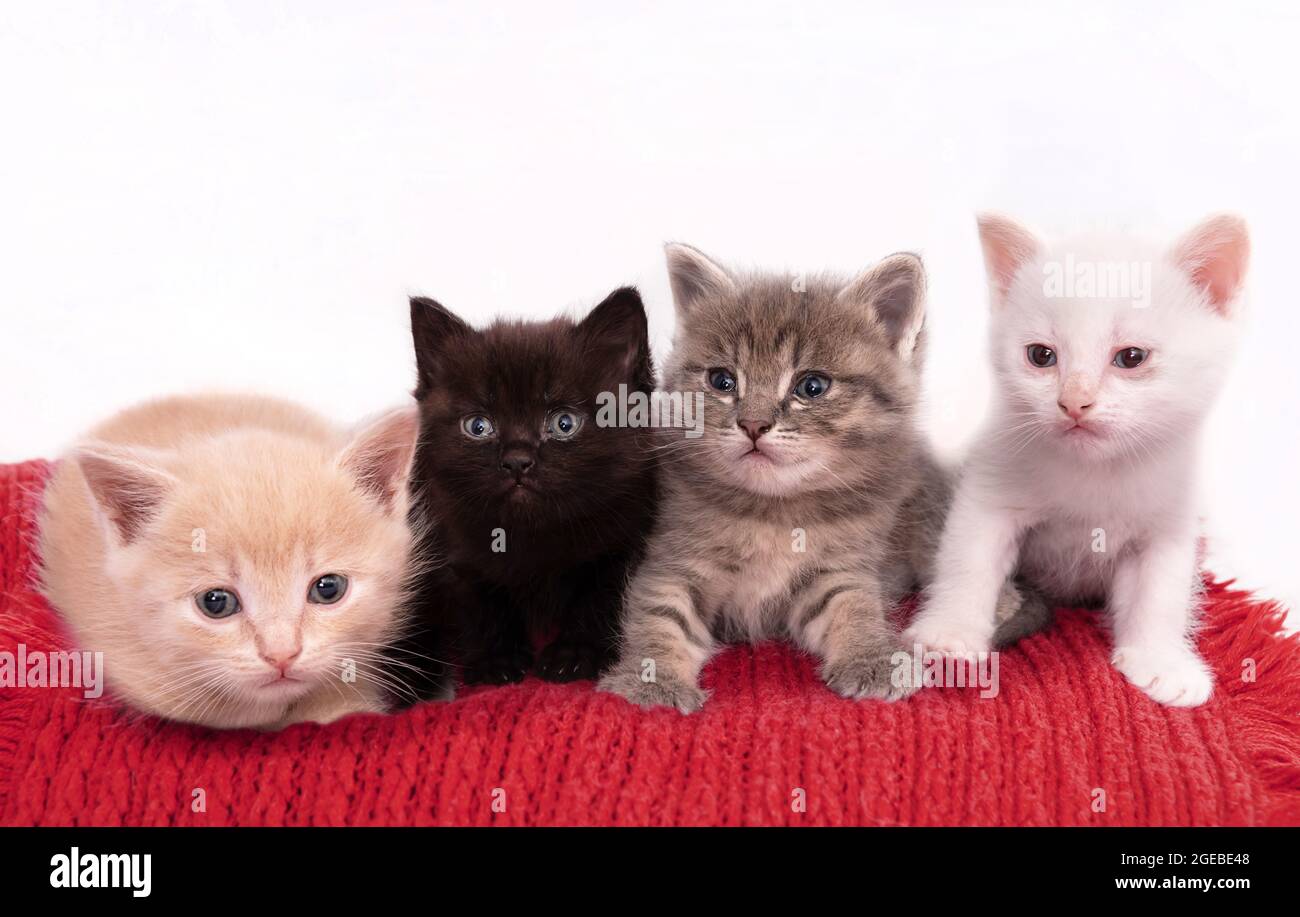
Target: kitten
1082	480
539	509
800	511
233	557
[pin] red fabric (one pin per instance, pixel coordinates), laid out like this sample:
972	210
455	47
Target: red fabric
1064	725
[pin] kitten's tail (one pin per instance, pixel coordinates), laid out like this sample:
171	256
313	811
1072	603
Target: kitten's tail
1022	612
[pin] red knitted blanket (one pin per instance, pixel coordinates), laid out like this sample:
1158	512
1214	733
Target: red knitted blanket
1066	742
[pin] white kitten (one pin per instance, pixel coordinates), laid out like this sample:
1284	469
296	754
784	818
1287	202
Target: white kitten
1107	356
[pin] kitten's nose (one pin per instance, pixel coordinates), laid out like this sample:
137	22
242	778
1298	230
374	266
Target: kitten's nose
1074	407
754	428
281	659
517	461
1078	394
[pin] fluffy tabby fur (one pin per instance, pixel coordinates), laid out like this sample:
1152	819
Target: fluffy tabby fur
1083	479
811	531
533	534
175	497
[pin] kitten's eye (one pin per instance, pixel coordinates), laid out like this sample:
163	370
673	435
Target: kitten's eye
722	380
812	386
563	424
478	426
328	589
1130	357
1040	355
217	603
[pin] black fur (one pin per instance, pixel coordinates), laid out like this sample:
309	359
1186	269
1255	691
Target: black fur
574	522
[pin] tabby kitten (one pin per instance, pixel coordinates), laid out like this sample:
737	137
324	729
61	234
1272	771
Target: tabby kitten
539	509
236	559
806	507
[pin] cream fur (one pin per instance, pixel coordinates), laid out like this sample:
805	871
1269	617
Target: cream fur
276	497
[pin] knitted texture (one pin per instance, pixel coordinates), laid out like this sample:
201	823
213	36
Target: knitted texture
1066	742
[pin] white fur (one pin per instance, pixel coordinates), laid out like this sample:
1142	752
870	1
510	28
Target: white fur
1039	500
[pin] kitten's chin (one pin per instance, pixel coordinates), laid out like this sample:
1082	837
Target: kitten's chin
762	474
269	690
1089	442
519	500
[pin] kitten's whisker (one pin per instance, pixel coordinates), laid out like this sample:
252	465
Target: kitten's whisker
385	680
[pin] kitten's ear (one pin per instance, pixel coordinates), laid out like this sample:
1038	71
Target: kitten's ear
1007	247
618	326
432	326
1216	253
694	276
128	485
893	292
378	458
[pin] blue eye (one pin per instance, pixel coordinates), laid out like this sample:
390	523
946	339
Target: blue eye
1040	355
478	426
812	385
563	424
722	380
1130	357
328	589
217	603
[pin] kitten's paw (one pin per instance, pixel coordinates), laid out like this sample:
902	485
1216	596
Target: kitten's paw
497	668
1174	676
947	635
325	707
877	676
565	661
685	696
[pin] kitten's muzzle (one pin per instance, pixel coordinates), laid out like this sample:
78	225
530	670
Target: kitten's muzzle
754	428
1077	398
281	659
518	462
1074	409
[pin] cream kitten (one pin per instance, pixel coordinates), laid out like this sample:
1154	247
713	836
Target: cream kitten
1107	357
234	558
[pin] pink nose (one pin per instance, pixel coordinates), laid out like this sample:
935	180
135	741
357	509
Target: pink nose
281	659
754	428
1074	407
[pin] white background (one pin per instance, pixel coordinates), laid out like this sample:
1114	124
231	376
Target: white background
241	195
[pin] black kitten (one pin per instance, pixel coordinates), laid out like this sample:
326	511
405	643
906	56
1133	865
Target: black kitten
534	514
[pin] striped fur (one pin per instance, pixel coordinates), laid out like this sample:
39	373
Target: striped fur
848	479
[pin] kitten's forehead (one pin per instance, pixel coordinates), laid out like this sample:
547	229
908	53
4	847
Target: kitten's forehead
262	580
1112	271
266	506
1080	319
770	325
525	363
1100	296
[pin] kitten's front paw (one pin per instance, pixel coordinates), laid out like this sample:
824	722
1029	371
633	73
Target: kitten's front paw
325	707
878	676
497	668
947	634
1174	676
671	692
565	661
